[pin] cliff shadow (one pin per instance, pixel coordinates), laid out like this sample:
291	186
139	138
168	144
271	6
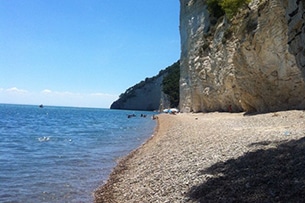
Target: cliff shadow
272	175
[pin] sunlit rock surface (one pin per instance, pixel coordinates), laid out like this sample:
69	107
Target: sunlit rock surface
253	63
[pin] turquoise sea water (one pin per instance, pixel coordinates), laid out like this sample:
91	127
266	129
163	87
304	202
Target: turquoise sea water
62	154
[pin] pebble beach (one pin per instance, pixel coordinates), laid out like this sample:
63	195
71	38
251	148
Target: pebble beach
214	157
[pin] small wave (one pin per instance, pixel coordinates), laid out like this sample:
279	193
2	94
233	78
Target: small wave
44	139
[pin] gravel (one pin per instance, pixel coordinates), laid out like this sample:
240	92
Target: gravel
215	157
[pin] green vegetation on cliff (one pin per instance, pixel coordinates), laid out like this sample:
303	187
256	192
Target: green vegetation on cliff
228	7
130	92
171	83
169	86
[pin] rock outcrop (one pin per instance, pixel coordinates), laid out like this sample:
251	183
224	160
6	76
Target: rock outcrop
144	96
149	95
254	62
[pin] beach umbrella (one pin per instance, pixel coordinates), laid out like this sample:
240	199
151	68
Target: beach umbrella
173	110
165	110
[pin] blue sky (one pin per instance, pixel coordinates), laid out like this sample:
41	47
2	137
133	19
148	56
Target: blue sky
83	52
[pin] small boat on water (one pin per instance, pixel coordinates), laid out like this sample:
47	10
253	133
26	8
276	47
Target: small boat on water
41	106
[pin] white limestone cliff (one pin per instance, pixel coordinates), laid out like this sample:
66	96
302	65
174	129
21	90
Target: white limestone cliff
253	63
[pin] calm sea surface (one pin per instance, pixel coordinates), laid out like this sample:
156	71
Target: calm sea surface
62	154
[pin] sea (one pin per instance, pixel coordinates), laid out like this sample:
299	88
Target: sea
62	154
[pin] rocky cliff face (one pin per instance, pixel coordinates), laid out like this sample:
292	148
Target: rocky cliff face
155	93
254	62
144	96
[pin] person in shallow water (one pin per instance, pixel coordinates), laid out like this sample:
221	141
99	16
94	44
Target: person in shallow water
131	115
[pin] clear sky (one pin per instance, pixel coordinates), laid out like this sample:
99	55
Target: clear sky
83	52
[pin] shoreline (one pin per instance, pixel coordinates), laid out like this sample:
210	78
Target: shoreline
189	154
104	192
